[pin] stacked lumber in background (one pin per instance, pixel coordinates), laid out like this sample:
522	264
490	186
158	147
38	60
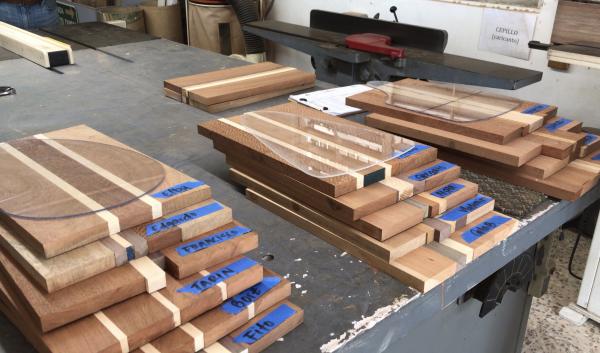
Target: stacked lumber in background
420	223
43	51
217	91
176	280
530	146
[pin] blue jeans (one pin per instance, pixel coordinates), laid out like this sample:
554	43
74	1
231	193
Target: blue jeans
34	16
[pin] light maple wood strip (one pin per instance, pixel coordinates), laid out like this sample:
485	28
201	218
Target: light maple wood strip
498	131
52	237
217	323
40	50
515	153
568	183
479	236
209	248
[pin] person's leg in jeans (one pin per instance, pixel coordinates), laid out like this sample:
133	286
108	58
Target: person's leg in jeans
30	16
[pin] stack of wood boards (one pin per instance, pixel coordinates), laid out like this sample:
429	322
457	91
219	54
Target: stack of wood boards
235	87
529	146
43	51
420	223
176	274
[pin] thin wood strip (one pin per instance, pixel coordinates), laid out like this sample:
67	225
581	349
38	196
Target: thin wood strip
154	275
154	204
114	330
149	348
111	219
196	334
170	306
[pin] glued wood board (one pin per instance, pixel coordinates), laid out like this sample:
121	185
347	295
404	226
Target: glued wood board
50	311
230	139
51	237
387	250
440	270
228	88
91	259
205	250
495	130
145	317
487	234
43	51
218	323
515	153
445	197
569	183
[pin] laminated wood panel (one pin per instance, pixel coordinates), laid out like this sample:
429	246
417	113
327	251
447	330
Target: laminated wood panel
228	135
51	237
515	153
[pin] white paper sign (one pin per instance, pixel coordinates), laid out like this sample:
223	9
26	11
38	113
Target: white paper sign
507	32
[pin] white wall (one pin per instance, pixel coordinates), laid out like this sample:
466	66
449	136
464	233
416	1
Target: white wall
576	92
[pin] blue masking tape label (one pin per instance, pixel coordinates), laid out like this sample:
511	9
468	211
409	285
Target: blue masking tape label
218	276
431	171
238	303
178	189
535	109
411	151
552	127
589	138
210	240
130	253
465	208
483	228
596	157
181	218
447	190
265	325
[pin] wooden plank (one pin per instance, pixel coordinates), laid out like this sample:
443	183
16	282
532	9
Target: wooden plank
412	279
552	146
50	311
52	237
89	260
238	83
576	22
228	135
219	322
208	249
515	153
546	111
541	167
431	175
447	196
495	130
461	215
569	183
591	144
40	50
563	124
479	236
132	323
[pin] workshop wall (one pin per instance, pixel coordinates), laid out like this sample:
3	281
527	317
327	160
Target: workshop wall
575	92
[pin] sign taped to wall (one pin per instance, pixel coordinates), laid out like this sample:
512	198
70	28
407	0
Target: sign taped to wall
507	32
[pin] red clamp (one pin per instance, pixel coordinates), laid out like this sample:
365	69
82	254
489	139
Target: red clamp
374	43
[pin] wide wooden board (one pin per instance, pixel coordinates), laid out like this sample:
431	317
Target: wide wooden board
230	137
136	321
514	153
51	237
91	259
496	130
221	321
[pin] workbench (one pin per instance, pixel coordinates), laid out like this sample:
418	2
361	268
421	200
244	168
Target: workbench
347	303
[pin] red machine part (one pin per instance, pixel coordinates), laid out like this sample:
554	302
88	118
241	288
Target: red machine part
374	43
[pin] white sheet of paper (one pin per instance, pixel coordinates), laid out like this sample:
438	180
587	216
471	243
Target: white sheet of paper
331	101
507	32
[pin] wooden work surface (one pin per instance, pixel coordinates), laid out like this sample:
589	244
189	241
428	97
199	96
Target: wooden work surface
495	130
52	237
225	89
136	321
230	137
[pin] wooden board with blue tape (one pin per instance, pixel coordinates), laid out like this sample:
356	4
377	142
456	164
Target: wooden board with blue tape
233	138
131	324
88	194
210	327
